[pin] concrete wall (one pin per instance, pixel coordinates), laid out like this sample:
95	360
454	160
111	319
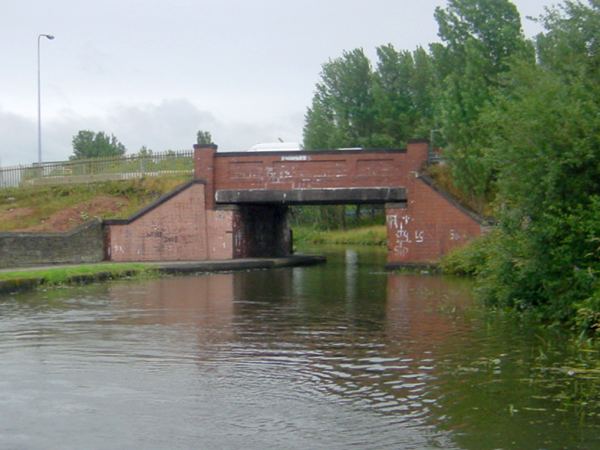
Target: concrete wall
84	244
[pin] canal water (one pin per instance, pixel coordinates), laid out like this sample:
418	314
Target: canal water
336	356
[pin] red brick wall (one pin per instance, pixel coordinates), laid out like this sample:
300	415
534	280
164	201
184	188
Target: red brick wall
295	170
180	229
427	227
221	226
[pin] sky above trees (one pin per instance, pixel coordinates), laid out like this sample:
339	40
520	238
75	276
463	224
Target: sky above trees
154	72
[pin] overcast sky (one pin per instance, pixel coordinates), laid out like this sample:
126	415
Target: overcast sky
153	72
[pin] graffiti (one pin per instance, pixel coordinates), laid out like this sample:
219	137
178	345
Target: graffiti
454	236
403	237
392	221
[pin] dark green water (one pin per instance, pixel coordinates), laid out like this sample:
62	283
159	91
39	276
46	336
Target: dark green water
337	356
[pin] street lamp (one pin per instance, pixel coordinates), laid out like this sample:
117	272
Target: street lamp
47	36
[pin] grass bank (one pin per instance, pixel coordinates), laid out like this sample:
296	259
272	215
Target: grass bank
60	208
367	235
11	281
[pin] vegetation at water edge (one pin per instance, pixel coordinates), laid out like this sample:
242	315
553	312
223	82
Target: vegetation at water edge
366	235
72	274
518	120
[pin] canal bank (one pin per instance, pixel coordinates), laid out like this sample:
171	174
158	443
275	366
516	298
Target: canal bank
27	278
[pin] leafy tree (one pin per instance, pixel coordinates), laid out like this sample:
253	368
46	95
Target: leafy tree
144	151
87	144
480	39
546	153
203	138
403	94
341	114
393	100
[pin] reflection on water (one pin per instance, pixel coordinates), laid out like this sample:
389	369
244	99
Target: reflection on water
336	356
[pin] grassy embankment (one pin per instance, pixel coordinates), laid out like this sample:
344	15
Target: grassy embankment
83	273
60	208
363	235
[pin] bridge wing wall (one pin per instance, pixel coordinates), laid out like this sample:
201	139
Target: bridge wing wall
427	226
177	227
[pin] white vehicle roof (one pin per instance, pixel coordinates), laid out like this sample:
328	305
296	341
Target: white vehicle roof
275	147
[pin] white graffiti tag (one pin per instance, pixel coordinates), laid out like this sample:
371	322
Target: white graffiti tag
398	228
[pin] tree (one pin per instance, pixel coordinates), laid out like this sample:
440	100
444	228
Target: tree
145	152
203	138
480	40
341	114
546	154
403	95
87	144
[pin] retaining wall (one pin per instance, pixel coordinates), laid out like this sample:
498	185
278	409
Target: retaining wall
84	244
427	226
177	227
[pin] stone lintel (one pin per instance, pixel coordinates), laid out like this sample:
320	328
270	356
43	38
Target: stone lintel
326	196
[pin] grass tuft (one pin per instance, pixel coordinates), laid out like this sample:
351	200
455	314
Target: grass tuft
369	235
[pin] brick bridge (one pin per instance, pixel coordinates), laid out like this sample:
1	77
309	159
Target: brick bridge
236	207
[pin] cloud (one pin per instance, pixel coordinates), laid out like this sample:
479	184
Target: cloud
169	124
18	139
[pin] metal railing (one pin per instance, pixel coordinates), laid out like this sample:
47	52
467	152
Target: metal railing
170	163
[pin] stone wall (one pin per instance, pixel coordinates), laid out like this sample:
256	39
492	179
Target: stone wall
84	244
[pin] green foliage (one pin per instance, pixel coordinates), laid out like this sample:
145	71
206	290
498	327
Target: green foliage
403	96
545	151
366	235
145	151
203	138
88	144
541	149
354	106
337	216
37	204
470	259
75	273
571	45
521	129
341	114
480	40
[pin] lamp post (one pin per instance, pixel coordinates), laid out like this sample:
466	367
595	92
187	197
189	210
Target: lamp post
47	36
